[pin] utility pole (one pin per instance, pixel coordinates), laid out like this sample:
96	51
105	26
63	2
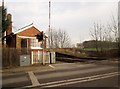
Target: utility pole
50	30
49	13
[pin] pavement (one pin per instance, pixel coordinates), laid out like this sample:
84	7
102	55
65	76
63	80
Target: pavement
40	67
62	74
26	68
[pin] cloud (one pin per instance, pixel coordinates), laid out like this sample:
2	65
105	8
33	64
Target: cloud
76	17
79	19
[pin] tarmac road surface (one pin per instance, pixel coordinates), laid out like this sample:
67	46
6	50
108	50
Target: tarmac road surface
95	74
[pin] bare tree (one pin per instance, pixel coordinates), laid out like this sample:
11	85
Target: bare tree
60	39
64	39
113	29
55	39
105	35
95	34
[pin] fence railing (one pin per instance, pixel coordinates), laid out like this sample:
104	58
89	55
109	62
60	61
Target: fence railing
11	56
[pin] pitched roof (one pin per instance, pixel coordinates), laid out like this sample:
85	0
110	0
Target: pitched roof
24	28
27	27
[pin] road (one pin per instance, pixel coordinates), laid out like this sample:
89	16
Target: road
94	74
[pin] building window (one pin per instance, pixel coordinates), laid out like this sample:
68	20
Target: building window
23	43
24	46
35	43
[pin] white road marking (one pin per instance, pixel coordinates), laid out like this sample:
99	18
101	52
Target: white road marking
33	79
79	80
52	66
67	83
71	73
76	80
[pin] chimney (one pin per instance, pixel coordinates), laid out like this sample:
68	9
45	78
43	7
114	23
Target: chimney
9	29
3	3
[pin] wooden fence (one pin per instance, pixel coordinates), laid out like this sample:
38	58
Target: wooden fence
11	56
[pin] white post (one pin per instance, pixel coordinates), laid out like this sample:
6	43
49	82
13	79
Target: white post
32	56
44	58
38	56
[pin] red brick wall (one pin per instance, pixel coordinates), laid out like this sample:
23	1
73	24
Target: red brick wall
18	42
29	43
31	32
45	44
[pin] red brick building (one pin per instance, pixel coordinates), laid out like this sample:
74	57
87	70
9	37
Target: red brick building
25	38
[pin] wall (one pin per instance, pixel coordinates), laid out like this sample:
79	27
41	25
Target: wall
31	32
18	42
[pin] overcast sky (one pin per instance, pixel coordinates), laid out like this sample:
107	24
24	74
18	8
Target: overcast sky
74	16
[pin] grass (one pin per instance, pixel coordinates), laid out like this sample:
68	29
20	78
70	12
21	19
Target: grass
90	49
99	49
76	54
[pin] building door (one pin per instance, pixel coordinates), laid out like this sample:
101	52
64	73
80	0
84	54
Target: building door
36	57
